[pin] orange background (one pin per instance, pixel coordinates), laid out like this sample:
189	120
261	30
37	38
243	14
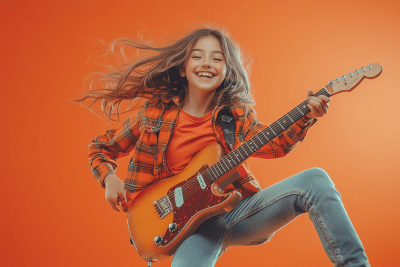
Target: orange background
53	212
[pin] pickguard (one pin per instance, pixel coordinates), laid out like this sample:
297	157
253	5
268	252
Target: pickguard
199	200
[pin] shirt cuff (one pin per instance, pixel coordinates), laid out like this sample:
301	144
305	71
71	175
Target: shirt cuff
301	127
101	171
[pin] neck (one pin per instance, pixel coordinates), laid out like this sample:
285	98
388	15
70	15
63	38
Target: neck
198	103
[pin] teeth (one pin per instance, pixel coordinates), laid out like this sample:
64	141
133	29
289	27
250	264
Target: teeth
205	74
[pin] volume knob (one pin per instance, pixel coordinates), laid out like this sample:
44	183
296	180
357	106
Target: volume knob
172	227
158	240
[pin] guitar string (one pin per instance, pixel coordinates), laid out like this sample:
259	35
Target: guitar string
206	173
258	144
189	188
192	181
274	127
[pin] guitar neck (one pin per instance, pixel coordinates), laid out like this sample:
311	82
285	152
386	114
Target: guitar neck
248	148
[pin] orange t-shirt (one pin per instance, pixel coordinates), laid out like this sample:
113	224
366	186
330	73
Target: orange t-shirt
191	134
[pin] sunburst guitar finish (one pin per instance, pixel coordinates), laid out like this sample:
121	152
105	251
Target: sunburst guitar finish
199	204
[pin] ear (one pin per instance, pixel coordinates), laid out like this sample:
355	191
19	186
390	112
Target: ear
182	73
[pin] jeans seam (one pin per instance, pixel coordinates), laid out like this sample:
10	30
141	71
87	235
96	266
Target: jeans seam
297	192
260	208
326	237
219	217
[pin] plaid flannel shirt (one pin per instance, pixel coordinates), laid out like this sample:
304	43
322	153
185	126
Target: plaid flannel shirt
146	135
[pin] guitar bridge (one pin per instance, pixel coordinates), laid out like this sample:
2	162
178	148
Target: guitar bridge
163	206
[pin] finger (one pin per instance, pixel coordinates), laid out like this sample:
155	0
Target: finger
310	92
324	109
316	99
114	204
324	98
316	105
313	110
122	196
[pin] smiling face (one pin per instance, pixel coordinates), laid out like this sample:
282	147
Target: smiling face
205	68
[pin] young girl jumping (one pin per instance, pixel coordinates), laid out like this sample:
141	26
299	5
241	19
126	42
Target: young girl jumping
187	85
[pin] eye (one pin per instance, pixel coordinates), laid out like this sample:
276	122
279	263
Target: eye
196	57
218	59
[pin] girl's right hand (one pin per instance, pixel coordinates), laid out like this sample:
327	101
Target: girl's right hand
115	191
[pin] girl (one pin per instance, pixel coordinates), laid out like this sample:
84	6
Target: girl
187	84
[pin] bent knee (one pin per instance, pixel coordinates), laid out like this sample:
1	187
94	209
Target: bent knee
318	172
319	176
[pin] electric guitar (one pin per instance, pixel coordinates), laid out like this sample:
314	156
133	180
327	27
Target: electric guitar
165	213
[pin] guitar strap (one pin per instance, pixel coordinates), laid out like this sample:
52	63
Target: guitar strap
227	122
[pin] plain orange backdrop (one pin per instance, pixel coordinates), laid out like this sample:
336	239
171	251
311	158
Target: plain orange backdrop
53	212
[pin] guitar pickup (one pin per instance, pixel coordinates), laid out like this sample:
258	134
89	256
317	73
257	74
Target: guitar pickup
163	206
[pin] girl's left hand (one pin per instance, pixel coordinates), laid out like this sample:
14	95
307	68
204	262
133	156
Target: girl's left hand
317	104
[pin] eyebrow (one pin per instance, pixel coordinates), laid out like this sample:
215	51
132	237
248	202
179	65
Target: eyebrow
201	50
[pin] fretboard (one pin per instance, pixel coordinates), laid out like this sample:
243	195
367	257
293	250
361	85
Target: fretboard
249	147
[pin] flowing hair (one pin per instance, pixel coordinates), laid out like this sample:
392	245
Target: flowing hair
158	77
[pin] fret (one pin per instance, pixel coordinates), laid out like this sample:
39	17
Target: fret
285	123
237	156
253	143
295	114
245	149
264	134
281	125
214	167
223	162
249	147
275	126
215	176
289	117
217	168
224	166
271	130
300	111
229	161
327	92
259	138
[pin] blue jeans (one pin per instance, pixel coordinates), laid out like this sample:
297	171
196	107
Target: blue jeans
257	218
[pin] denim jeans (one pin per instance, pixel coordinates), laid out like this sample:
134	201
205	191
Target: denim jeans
257	218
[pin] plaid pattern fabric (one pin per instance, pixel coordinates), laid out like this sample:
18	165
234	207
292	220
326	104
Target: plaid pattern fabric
146	135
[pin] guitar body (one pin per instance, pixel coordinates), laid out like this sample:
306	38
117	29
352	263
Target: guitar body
145	222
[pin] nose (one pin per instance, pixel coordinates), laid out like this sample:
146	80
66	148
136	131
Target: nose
206	62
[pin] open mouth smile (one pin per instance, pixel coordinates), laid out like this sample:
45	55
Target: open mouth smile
205	75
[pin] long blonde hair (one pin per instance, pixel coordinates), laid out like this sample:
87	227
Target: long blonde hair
157	77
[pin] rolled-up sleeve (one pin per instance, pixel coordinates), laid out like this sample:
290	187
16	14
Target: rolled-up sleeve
281	145
104	150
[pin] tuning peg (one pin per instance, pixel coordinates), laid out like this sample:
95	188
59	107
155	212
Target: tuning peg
369	66
331	83
362	68
337	80
344	77
357	72
351	74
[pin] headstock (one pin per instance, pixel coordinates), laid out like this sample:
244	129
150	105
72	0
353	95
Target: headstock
349	81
